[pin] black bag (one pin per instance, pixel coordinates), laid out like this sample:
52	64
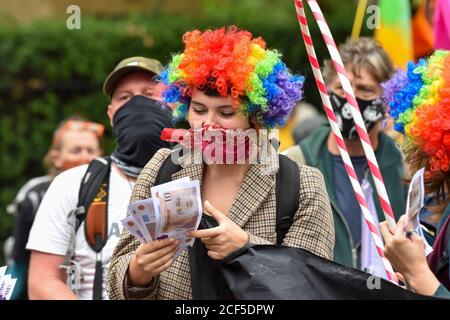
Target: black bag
269	273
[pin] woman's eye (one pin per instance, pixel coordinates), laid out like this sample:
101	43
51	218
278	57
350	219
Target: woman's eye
124	97
227	114
199	111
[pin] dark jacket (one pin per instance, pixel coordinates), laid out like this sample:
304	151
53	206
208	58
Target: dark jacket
442	291
24	209
389	159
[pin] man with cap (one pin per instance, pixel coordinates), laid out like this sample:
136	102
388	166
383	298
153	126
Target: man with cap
137	118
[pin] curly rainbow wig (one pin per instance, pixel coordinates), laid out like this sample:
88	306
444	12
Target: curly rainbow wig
419	101
232	62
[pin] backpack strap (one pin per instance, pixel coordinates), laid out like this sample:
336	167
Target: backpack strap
287	190
167	169
92	207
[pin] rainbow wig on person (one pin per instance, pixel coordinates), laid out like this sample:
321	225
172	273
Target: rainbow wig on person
232	62
419	102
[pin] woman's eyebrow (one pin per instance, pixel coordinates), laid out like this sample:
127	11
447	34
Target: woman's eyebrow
218	107
198	103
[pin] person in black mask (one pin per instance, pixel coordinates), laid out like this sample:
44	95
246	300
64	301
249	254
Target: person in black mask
137	118
367	65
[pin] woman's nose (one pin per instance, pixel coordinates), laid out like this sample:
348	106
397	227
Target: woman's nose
210	119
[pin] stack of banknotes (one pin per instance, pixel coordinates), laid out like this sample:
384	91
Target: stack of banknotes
173	209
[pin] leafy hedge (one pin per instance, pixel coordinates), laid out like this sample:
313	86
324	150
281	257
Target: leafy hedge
48	72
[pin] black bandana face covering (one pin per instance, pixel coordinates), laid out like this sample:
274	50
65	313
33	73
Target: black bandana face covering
372	111
137	126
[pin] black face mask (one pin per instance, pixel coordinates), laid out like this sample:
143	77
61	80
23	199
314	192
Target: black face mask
372	111
137	126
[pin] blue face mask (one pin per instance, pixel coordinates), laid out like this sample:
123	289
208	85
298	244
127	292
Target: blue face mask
372	111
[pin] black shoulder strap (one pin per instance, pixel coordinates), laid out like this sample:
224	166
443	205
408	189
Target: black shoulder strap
168	168
96	174
288	190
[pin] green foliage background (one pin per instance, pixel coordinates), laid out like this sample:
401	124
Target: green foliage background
48	72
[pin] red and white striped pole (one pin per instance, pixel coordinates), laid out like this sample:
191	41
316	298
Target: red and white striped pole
356	113
338	136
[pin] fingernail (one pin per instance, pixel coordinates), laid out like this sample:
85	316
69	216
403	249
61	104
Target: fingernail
207	203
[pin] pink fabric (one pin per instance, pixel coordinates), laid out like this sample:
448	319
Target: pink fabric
442	25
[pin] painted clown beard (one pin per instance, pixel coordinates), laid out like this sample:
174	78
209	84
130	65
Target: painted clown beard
217	145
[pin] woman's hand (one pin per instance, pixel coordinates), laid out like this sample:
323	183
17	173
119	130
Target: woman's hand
150	259
407	256
223	239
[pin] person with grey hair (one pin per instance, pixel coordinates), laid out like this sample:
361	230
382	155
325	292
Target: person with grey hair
367	65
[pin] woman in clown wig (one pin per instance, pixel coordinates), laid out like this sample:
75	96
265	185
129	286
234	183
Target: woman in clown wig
225	81
419	101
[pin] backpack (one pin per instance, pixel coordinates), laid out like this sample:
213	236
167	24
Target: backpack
287	191
92	207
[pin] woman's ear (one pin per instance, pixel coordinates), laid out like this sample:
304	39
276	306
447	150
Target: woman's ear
55	157
109	113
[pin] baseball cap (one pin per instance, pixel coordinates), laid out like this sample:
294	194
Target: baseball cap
127	66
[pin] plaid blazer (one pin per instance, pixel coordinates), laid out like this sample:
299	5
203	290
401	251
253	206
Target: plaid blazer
254	210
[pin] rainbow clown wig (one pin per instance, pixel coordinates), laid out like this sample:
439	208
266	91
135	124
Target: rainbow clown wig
419	101
232	62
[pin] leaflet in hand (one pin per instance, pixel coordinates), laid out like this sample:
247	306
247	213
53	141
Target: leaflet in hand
7	284
175	208
414	203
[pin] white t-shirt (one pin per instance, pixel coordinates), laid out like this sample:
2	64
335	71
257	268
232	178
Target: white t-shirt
51	231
